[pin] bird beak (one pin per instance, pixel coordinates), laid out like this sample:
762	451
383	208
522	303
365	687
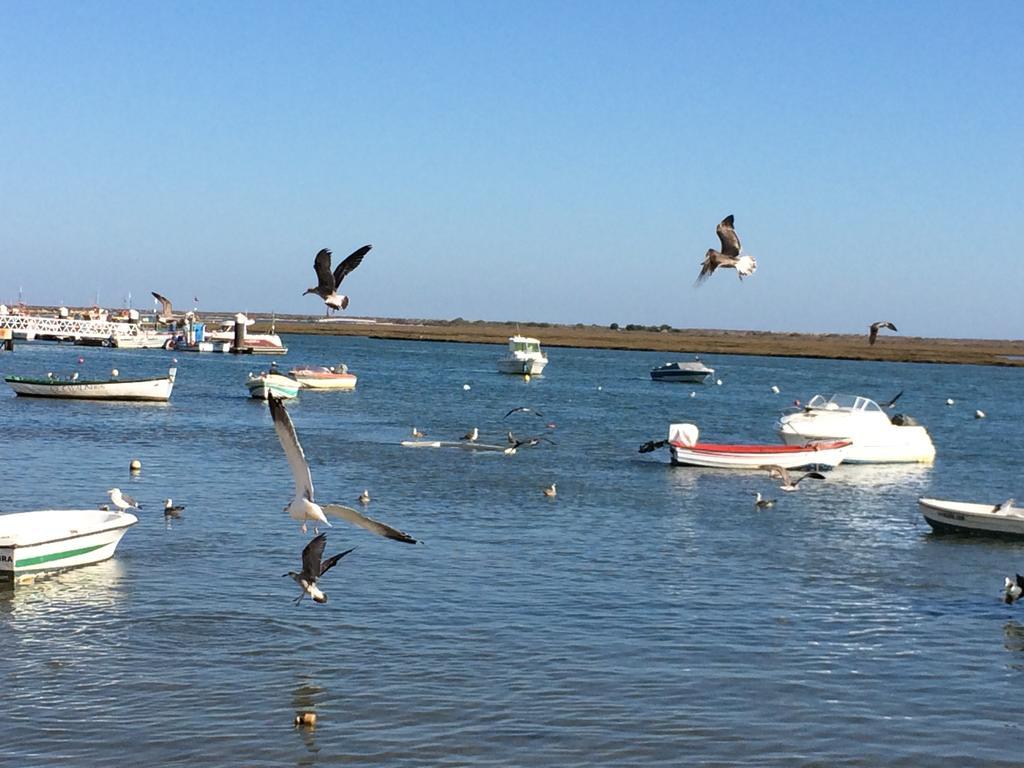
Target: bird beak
320	599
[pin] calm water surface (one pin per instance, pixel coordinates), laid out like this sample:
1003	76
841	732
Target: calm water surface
647	616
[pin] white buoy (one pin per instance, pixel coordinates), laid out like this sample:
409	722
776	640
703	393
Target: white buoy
950	401
718	382
135	465
693	394
526	377
979	414
115	373
599	387
466	387
775	389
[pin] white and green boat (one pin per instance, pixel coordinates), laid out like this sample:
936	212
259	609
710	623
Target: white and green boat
261	385
53	539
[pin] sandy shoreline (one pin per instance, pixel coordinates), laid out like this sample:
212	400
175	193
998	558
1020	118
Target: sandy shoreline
892	347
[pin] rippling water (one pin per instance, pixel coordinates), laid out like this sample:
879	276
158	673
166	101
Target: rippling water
647	616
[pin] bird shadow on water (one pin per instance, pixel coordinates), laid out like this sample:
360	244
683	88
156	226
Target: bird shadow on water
1013	641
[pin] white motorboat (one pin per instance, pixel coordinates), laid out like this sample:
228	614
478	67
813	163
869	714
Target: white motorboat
966	517
319	377
251	343
261	385
524	356
692	372
876	438
687	452
153	389
52	539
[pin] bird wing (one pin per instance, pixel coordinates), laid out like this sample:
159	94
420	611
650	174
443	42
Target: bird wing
730	240
873	334
774	470
812	475
322	266
357	518
332	561
891	403
292	449
165	303
129	500
1020	581
711	261
353	260
311	556
652	445
524	409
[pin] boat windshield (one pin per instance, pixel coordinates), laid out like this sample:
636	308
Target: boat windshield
843	403
525	346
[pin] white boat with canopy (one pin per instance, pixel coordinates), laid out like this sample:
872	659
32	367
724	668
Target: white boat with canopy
876	438
524	356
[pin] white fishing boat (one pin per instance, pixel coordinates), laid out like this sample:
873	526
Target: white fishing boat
249	343
320	377
686	451
691	372
58	538
524	356
146	338
261	385
966	517
876	438
114	388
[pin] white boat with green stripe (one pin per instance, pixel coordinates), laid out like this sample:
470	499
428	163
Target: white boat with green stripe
53	539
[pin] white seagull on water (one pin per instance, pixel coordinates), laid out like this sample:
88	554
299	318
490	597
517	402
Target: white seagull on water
313	567
1013	588
121	501
328	282
302	507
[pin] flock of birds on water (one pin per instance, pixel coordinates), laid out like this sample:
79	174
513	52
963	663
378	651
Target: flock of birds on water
305	510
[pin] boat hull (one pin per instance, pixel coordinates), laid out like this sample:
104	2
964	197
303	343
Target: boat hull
534	367
261	387
813	456
155	390
688	377
912	446
31	542
314	380
972	519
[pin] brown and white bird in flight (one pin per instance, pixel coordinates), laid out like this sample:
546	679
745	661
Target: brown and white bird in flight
166	311
873	334
328	282
729	256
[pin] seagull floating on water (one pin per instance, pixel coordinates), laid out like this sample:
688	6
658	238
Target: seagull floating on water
328	282
364	497
417	433
873	333
302	507
473	435
788	484
121	501
172	511
762	503
729	256
313	567
1013	588
551	491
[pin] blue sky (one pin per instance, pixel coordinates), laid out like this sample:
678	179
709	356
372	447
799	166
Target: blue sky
555	161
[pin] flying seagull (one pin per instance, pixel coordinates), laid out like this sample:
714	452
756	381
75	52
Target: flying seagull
873	334
762	503
523	409
529	442
166	312
788	484
302	507
121	501
729	256
172	511
891	403
1013	588
313	567
328	282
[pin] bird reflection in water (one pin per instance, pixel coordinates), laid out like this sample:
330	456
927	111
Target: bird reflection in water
1013	641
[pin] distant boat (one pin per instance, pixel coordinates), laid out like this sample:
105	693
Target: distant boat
524	356
970	518
58	538
319	377
692	372
262	384
252	343
154	389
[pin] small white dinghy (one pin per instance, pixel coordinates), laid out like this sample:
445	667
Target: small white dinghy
53	539
979	519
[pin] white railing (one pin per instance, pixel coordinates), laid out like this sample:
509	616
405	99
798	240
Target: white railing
31	326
